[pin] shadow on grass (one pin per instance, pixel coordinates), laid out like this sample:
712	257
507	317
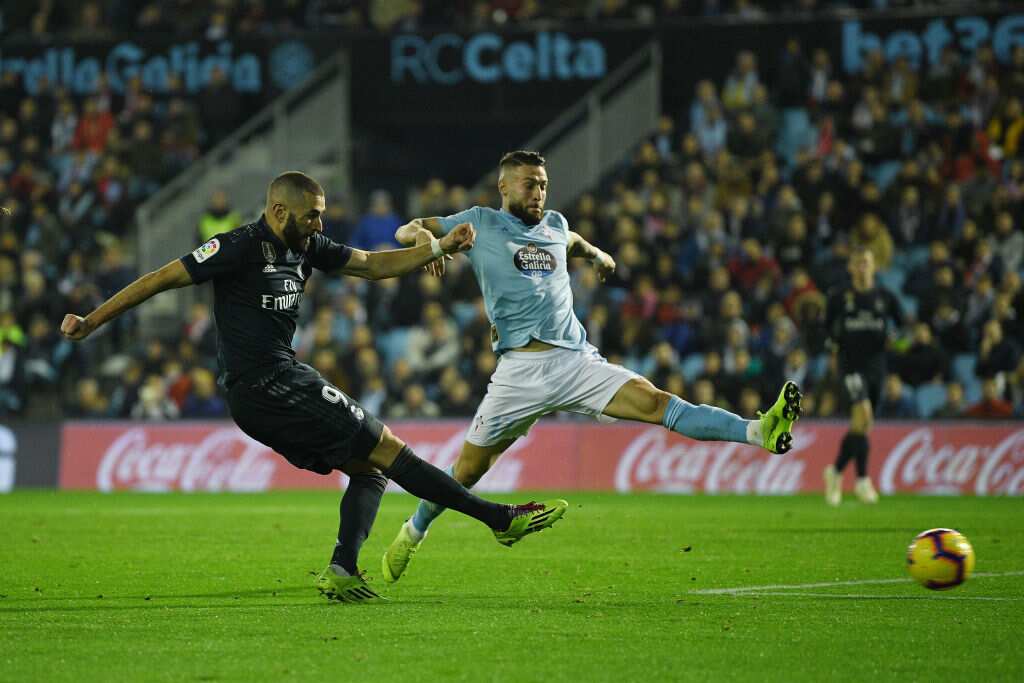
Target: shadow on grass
153	601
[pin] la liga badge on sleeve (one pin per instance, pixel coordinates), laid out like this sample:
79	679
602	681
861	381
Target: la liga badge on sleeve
207	250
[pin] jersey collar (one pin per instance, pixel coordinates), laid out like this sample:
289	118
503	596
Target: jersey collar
271	235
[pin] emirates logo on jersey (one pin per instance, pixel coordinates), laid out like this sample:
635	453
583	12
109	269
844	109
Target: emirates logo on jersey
534	262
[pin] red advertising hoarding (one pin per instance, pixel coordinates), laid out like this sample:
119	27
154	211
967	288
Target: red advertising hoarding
924	457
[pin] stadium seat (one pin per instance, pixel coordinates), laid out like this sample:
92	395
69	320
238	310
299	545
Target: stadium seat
393	344
963	372
795	133
907	303
817	367
885	172
692	366
463	312
963	367
929	397
893	278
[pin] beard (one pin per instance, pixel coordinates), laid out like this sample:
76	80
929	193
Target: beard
522	213
293	237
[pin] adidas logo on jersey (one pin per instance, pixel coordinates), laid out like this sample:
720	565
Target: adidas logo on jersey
269	268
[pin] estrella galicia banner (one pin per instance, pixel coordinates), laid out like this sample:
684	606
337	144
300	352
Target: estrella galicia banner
253	67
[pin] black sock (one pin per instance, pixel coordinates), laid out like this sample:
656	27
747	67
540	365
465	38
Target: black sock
359	508
845	452
860	454
429	483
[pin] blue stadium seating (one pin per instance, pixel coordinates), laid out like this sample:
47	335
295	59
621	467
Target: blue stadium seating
963	372
929	397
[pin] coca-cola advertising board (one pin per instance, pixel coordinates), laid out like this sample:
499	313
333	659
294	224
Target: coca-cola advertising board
925	457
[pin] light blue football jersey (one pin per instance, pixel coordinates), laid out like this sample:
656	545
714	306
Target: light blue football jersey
523	277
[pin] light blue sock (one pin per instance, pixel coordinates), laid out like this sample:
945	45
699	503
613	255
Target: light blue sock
704	422
427	512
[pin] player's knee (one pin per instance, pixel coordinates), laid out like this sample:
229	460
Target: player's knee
387	449
653	403
355	468
387	437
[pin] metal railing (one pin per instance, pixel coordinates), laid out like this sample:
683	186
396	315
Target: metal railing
591	137
307	126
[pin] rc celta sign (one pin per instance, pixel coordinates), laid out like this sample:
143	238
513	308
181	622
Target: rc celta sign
449	59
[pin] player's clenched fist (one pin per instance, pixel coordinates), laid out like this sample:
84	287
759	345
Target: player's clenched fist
75	327
605	265
460	238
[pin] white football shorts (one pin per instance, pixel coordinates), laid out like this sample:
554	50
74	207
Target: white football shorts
529	384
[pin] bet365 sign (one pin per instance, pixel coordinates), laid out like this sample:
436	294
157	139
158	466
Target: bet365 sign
925	45
450	59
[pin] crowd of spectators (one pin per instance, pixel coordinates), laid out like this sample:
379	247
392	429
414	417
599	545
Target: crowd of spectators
218	19
72	172
729	226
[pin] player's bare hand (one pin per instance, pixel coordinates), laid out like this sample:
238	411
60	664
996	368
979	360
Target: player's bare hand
436	268
461	238
605	266
75	327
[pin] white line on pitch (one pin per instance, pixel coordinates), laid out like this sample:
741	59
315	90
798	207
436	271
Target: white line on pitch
828	584
801	594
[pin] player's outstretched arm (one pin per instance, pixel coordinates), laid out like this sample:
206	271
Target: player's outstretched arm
421	231
604	263
418	231
377	265
171	276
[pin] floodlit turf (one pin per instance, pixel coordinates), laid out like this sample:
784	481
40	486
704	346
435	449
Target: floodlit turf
219	587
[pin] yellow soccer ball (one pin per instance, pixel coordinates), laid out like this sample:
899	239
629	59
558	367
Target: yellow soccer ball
940	559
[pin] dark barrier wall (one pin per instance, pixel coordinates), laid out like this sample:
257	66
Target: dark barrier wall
30	451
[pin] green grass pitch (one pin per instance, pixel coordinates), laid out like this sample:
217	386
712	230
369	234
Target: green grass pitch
219	588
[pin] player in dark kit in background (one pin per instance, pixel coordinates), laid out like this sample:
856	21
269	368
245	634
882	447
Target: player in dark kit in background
259	272
858	320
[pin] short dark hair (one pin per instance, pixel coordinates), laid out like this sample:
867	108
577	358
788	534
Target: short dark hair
520	157
294	184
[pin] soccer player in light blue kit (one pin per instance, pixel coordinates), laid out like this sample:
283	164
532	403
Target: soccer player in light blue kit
546	364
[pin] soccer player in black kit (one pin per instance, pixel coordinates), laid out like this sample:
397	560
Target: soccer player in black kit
859	319
259	273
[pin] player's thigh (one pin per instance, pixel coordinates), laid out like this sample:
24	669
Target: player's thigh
388	447
306	419
517	396
861	416
590	385
638	400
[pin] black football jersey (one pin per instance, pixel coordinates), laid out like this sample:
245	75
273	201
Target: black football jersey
257	285
860	322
